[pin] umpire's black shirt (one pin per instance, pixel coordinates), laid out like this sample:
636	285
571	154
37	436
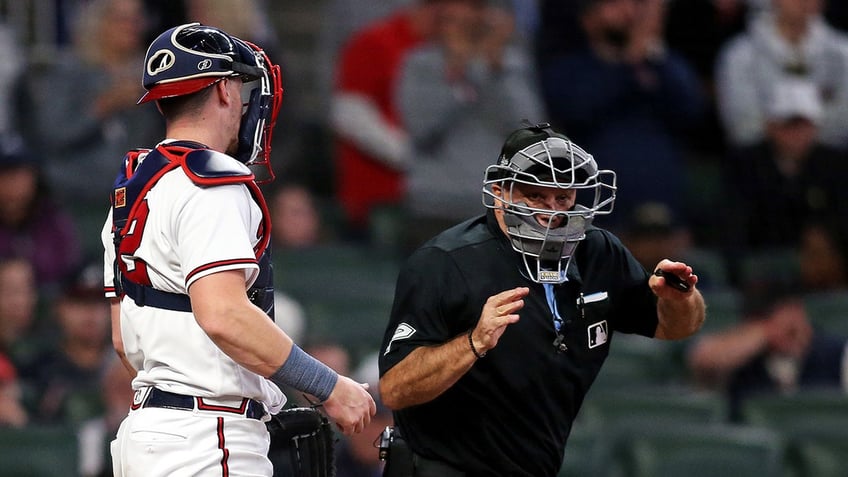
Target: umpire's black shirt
511	413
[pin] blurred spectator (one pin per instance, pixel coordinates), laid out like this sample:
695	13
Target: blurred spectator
12	62
836	13
297	226
62	383
373	150
289	315
245	19
790	41
559	31
18	306
332	354
96	434
341	19
82	132
698	29
297	222
459	95
774	349
32	225
12	412
653	232
787	177
627	98
823	255
161	15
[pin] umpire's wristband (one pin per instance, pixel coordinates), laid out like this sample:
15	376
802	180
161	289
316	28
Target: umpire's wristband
305	373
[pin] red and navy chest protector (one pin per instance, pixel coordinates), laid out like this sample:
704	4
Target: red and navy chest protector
142	169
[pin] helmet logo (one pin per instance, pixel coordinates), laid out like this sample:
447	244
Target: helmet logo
204	64
160	61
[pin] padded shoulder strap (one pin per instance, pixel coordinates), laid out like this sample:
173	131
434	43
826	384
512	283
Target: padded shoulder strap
209	168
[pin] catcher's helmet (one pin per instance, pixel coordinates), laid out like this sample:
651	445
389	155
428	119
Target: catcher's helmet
537	155
188	58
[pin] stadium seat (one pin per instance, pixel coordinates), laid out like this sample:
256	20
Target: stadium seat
785	411
697	450
711	268
778	265
815	423
36	451
828	311
639	361
337	270
584	453
724	309
611	409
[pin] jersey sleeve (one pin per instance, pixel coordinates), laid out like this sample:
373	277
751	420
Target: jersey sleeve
430	297
636	305
107	239
216	230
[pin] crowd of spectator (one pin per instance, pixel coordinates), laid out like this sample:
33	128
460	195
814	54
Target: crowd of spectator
724	120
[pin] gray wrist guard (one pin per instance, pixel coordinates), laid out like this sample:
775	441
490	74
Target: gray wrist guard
305	373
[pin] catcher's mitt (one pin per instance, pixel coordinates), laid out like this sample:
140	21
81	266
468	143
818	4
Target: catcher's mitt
305	436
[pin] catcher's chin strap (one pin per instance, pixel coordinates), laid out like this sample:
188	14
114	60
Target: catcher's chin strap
306	436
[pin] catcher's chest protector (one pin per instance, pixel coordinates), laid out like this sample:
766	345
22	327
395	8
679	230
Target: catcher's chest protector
142	170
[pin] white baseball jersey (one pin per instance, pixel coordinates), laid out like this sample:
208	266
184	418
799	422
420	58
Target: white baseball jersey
190	232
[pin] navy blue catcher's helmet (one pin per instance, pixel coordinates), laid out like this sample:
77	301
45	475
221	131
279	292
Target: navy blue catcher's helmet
188	58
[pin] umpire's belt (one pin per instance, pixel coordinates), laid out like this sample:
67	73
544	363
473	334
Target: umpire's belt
249	408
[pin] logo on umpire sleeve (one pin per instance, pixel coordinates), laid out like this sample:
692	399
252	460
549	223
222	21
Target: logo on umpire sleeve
597	334
402	332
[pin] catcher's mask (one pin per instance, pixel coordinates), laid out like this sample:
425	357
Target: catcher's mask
188	58
536	155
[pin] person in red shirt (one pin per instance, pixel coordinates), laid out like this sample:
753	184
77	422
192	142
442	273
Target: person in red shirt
372	147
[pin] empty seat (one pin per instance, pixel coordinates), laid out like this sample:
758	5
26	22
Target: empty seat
36	451
698	450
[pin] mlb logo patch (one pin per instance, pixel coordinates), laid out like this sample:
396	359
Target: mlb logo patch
121	197
597	334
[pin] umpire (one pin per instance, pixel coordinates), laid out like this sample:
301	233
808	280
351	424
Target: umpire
501	323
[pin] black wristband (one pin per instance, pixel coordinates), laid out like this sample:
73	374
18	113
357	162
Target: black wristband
473	349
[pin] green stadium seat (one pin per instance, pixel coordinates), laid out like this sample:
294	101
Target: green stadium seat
697	450
639	361
778	265
828	311
815	423
584	453
786	411
611	409
36	451
724	309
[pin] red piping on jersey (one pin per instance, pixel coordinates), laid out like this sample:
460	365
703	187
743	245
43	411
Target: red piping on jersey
225	465
220	263
264	230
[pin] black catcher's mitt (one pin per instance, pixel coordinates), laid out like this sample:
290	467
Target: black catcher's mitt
301	443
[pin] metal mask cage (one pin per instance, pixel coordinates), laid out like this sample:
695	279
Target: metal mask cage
556	163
